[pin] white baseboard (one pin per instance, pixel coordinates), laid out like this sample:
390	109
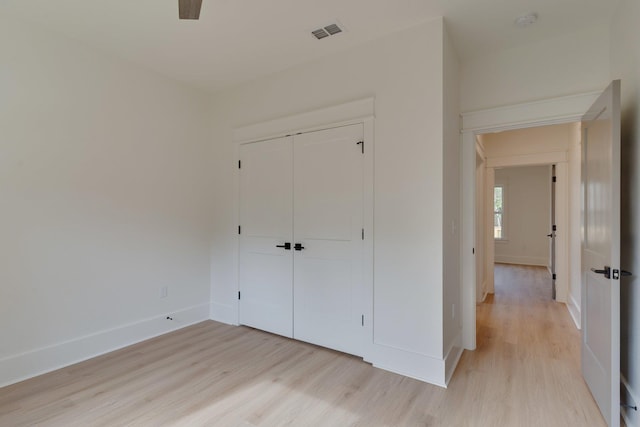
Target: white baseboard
480	296
453	357
29	364
224	313
414	365
484	296
521	260
574	311
631	417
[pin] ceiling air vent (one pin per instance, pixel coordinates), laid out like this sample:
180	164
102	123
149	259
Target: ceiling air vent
329	30
320	33
332	29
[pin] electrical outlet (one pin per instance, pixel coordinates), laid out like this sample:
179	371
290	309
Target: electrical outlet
164	292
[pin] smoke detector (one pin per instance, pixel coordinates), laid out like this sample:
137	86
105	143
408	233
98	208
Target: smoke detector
328	30
526	20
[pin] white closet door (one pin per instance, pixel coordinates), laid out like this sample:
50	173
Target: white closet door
266	270
328	218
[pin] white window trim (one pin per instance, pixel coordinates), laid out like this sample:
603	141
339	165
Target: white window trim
505	234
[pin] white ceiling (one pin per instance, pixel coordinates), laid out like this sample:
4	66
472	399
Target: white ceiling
238	40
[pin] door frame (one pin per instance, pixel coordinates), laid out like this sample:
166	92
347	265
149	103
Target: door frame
480	218
355	112
518	116
561	161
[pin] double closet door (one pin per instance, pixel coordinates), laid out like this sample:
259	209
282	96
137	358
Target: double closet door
301	237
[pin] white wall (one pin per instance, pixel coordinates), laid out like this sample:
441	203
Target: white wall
404	72
625	64
521	142
575	207
480	220
566	65
527	215
104	188
451	205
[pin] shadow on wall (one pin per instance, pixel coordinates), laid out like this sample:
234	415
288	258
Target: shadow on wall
629	250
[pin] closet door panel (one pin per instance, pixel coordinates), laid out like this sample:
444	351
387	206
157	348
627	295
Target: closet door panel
266	270
328	217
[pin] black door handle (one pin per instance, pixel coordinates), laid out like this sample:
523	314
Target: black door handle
286	246
550	235
606	272
298	247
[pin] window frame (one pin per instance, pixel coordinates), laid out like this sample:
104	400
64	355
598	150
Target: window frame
503	214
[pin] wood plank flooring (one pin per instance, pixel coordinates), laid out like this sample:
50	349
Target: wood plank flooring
525	372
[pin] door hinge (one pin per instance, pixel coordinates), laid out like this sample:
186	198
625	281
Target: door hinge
238	294
361	144
553	179
363	320
363	234
239	229
553	276
239	164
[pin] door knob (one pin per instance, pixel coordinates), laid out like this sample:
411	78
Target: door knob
606	272
298	247
286	246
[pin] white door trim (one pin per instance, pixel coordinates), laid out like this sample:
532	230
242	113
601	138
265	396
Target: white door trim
329	117
539	113
356	112
548	158
562	220
544	112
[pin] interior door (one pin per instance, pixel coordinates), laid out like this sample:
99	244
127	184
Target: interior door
266	261
328	218
552	235
601	252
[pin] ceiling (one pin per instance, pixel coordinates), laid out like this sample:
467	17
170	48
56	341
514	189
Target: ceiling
239	40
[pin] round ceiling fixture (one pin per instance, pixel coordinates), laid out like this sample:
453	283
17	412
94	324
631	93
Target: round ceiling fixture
526	20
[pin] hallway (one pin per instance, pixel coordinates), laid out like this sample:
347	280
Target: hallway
527	362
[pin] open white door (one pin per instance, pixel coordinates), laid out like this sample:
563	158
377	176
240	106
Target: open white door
601	252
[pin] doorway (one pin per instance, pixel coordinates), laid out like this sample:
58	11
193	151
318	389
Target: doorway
523	219
301	239
518	227
562	110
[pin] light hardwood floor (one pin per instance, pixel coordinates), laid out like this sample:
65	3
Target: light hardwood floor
525	372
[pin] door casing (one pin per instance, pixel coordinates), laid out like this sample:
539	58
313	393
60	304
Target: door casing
562	218
355	112
539	113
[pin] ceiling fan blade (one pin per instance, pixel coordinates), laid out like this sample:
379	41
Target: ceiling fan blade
189	9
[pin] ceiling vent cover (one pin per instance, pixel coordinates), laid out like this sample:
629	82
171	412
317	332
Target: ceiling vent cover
320	33
329	30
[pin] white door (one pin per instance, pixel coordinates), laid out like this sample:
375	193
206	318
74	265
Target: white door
601	252
266	265
552	234
328	218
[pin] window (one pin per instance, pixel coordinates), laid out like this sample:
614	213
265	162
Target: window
499	231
